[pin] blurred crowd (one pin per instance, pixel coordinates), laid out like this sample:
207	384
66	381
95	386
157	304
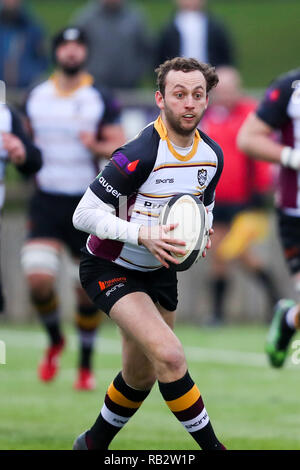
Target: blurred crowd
122	48
121	53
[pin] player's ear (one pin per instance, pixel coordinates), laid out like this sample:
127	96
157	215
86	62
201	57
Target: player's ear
207	100
159	99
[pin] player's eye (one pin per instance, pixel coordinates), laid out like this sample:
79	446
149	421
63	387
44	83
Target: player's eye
179	95
198	96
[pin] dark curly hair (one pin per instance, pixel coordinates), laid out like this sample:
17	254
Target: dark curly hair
186	65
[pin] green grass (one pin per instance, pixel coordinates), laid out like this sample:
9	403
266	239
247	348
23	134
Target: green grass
251	405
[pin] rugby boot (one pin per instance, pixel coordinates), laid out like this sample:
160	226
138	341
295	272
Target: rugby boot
280	334
85	380
49	365
80	442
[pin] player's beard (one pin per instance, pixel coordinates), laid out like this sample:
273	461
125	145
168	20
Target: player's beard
71	69
174	122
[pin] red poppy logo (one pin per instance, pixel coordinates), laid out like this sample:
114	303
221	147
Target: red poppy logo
132	166
274	94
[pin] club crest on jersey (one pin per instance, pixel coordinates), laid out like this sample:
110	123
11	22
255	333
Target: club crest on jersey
202	176
124	165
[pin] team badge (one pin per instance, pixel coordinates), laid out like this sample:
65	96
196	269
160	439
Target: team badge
202	176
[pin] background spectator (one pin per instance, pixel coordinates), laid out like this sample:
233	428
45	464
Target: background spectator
22	52
192	32
241	192
120	46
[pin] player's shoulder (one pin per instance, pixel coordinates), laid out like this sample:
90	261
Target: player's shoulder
212	144
40	89
145	143
286	82
139	153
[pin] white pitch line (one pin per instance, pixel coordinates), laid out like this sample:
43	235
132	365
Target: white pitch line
37	340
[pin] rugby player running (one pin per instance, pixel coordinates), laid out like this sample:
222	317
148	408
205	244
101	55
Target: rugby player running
125	269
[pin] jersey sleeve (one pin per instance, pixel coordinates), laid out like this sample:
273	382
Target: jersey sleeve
273	108
127	169
112	108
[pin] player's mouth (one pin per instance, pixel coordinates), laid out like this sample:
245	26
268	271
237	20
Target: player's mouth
188	117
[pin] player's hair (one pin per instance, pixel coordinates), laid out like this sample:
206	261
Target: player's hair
186	65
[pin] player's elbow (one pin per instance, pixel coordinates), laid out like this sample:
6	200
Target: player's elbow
77	218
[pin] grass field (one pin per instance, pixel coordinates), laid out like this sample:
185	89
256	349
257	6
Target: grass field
250	405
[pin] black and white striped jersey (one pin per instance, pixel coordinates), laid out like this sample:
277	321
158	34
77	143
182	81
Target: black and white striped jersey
57	119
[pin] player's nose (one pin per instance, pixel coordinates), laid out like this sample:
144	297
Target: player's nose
189	102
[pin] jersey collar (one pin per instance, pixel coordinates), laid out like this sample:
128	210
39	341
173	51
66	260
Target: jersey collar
85	80
163	133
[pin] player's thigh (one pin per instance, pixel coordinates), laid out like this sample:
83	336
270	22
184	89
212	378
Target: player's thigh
140	320
168	316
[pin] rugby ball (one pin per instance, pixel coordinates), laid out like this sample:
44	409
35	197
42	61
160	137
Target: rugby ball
193	227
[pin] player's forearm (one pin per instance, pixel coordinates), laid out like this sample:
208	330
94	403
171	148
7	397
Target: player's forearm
260	147
95	217
104	149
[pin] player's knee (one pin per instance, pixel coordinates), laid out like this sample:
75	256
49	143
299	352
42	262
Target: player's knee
172	356
41	286
39	260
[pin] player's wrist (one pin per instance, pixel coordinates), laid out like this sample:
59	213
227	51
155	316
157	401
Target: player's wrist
290	158
142	234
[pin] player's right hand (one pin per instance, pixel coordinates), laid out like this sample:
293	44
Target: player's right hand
290	158
158	241
14	147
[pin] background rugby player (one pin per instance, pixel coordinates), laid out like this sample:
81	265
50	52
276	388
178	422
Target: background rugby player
280	110
16	148
76	126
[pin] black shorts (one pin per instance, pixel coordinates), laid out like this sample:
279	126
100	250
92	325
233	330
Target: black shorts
106	282
289	232
225	213
50	216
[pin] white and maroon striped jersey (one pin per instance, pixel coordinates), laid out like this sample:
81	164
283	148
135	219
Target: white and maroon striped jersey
280	109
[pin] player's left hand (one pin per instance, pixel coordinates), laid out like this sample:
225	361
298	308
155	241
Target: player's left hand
208	244
14	147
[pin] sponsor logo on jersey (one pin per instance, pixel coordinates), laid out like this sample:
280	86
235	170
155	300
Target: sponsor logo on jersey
108	187
153	205
164	181
106	284
110	291
123	164
202	176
